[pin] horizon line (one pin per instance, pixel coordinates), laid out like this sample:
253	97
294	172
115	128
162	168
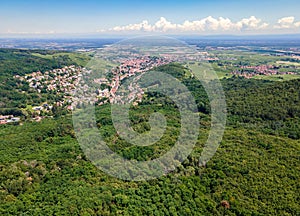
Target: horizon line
107	36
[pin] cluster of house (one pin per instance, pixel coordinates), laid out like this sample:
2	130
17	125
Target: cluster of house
251	71
59	80
131	67
5	119
141	64
68	81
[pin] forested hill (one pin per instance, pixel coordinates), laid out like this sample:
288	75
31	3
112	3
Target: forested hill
263	100
43	170
20	62
271	106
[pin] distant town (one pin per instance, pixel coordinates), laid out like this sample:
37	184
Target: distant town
266	70
127	62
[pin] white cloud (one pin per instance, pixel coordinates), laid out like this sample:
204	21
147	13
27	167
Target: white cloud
287	23
226	23
143	26
164	25
208	24
251	23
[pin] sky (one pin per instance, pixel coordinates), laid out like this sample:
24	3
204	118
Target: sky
30	17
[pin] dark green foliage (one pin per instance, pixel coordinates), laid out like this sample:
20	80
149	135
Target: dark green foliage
271	106
250	170
43	170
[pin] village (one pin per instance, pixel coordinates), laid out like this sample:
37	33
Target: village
66	81
128	68
266	70
57	80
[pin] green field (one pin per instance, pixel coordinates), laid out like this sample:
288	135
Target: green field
285	77
288	63
78	58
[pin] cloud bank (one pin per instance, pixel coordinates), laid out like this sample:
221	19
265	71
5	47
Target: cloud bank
209	25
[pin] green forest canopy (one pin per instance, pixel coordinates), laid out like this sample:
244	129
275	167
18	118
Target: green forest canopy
44	171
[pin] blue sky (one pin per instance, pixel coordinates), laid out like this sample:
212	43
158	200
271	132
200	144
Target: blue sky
66	16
